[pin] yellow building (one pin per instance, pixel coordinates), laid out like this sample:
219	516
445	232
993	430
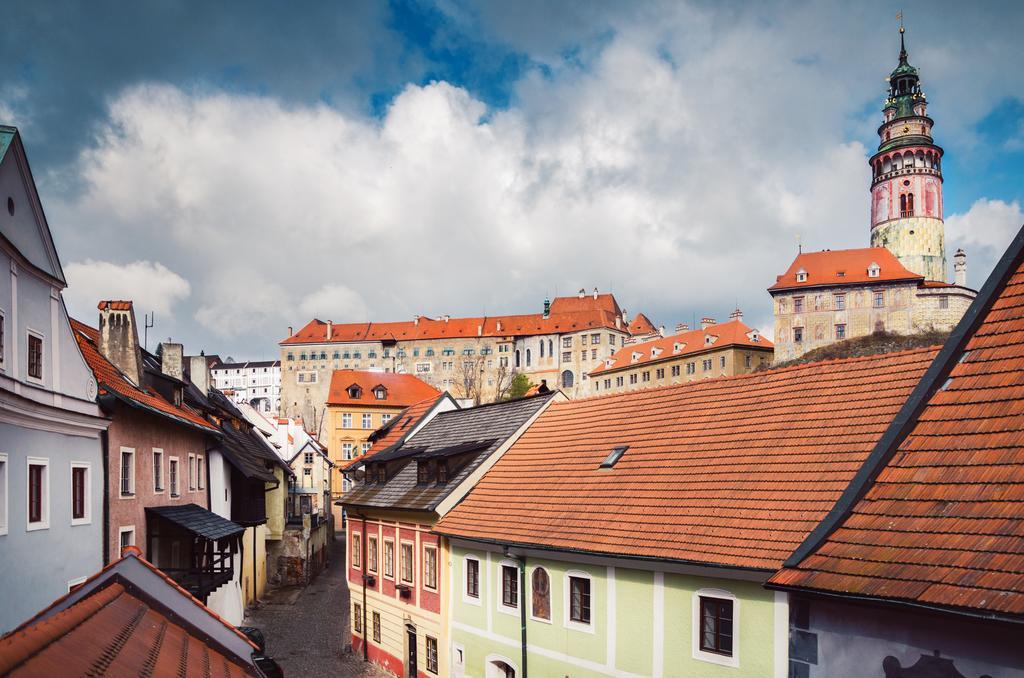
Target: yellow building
715	350
358	403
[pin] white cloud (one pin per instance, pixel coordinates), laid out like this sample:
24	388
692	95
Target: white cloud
983	232
150	285
334	301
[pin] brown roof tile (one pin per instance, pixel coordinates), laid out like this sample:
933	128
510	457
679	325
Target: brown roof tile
401	390
844	267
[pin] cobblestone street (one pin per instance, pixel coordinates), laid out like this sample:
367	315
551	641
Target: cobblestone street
306	628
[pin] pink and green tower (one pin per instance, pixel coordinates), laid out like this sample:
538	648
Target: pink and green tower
906	186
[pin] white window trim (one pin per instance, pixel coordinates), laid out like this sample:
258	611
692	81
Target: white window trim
163	473
87	520
415	565
191	472
120	467
177	477
356	539
72	583
542	620
711	657
42	337
376	550
200	471
437	574
6	507
43	524
394	559
5	339
499	581
566	594
466	598
491	658
120	531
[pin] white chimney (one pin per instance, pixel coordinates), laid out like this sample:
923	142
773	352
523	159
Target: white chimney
706	323
960	268
199	373
736	315
330	330
445	317
595	293
583	293
682	327
499	325
290	331
415	320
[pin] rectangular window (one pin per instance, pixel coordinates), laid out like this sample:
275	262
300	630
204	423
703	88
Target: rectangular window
430	567
38	492
722	362
509	586
798	334
879	298
389	559
607	383
691	368
619	381
431	654
840	331
357	618
192	472
384	418
158	470
646	376
839	301
943	301
367	421
365	447
566	342
308	457
3	328
172	476
371	554
200	473
579	600
376	627
472	578
746	360
354	546
407	564
79	493
126	537
659	373
346	420
127	472
706	364
35	356
442	472
346	451
716	625
798	304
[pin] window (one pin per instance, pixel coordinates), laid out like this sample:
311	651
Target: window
943	301
528	358
840	331
3	494
632	378
579	599
308	472
509	586
541	593
567	379
127	472
3	327
746	360
798	304
646	376
380	393
346	451
430	567
357	618
675	371
608	383
384	418
79	493
389	559
126	536
38	493
431	654
192	472
172	475
691	368
567	356
879	299
407	563
367	421
376	627
158	470
721	362
716	625
593	354
583	354
346	420
566	342
371	553
839	301
308	457
422	472
619	381
798	334
442	471
35	356
706	364
365	447
659	373
473	578
354	545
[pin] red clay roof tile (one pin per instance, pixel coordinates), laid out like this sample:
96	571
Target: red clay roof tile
400	390
844	267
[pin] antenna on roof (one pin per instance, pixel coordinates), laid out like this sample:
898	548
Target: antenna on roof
799	245
148	320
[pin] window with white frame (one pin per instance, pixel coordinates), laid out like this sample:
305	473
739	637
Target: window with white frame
127	485
355	549
408	567
577	604
346	420
389	558
158	470
35	356
192	472
371	553
509	587
346	451
431	654
367	421
365	447
472	589
3	494
308	457
715	623
38	494
80	493
126	536
430	567
172	476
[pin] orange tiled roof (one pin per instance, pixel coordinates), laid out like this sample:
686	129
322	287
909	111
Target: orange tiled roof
568	314
843	267
641	325
115	305
111	380
732	472
402	389
732	333
398	427
942	521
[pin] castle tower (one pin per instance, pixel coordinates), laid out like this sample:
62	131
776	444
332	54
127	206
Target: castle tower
906	185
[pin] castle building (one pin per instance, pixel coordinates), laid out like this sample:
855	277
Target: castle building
899	283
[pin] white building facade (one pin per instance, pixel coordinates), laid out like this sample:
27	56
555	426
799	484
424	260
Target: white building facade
255	383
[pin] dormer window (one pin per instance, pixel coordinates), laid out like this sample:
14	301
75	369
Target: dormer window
677	347
382	474
755	337
422	472
380	393
874	270
709	339
801	275
442	472
655	352
355	392
635	356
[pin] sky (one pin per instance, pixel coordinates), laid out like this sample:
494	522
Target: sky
239	168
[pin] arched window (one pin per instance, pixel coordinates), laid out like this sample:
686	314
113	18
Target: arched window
551	348
567	379
541	348
528	358
903	205
910	204
886	165
541	608
518	363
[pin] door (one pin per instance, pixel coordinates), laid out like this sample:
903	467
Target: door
411	666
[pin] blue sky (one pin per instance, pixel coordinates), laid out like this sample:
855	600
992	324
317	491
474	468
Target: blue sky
242	167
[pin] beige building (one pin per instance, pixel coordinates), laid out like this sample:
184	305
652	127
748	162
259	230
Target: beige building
714	350
830	296
471	358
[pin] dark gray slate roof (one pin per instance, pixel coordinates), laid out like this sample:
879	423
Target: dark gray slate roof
198	520
477	430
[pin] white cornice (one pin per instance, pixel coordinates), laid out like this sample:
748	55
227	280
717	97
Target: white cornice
19	411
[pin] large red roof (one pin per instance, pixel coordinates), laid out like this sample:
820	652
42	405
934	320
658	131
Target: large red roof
733	333
111	379
942	521
400	390
843	267
731	472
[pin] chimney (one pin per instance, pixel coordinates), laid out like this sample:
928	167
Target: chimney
199	373
706	323
445	317
661	330
330	330
595	293
618	322
547	307
416	320
583	293
290	331
499	326
479	330
171	359
736	315
119	338
682	327
960	268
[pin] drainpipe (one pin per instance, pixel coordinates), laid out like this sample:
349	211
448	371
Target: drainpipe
366	649
254	565
522	602
105	444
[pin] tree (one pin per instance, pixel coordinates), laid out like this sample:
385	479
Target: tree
519	386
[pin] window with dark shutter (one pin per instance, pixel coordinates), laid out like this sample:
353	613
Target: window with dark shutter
35	493
716	625
541	594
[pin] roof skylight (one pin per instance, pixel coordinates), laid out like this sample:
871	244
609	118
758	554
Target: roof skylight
614	456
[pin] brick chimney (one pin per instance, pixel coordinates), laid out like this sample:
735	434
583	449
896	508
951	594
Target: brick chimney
119	338
172	359
199	372
330	330
960	268
736	315
706	323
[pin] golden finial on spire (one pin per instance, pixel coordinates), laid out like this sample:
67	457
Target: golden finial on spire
899	17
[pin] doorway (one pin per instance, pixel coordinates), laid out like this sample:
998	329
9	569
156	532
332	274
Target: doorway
411	667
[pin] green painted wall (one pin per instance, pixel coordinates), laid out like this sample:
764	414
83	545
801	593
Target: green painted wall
557	649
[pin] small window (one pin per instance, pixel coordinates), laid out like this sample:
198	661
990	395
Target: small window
308	457
430	567
346	451
3	494
431	654
346	420
357	618
716	630
126	537
579	600
158	470
472	578
407	563
35	356
839	302
614	456
376	627
380	393
879	299
509	586
721	362
38	493
389	559
422	472
192	472
367	421
172	476
371	554
442	472
798	304
840	331
798	334
354	546
874	271
127	472
79	493
801	275
541	602
943	301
